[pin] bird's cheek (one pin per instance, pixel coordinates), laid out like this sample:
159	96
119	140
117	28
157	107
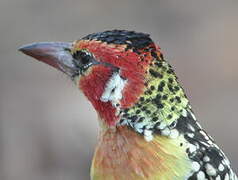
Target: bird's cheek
93	86
93	81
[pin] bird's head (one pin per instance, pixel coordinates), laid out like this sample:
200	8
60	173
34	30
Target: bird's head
112	68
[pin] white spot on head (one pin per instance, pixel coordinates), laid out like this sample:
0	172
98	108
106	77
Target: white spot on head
165	132
198	125
200	175
193	116
191	135
147	132
197	145
221	167
162	125
184	113
174	133
209	142
191	127
205	144
113	89
227	161
138	127
148	135
192	148
218	177
148	138
195	166
233	175
227	176
206	159
210	170
204	135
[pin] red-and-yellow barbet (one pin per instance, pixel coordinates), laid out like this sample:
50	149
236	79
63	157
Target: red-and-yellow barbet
148	129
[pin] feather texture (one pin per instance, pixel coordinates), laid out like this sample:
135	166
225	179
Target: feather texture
122	154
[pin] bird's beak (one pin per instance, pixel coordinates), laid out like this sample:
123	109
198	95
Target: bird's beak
56	54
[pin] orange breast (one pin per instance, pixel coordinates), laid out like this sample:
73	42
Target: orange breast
123	154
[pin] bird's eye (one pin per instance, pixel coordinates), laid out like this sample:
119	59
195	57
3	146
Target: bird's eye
83	56
83	59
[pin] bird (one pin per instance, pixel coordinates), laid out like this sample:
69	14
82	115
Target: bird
148	130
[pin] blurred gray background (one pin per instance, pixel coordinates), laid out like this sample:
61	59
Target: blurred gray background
48	130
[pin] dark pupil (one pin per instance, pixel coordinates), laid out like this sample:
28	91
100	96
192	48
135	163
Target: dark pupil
83	57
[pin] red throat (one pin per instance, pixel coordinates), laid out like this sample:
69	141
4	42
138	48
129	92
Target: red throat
132	65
